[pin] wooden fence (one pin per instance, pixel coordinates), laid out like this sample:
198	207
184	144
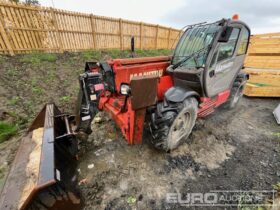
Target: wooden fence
26	28
264	51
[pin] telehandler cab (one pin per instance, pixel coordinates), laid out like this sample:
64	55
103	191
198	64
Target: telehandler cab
168	93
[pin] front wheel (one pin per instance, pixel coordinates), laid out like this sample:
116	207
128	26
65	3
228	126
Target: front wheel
172	123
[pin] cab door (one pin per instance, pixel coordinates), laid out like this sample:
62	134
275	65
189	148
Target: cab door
226	61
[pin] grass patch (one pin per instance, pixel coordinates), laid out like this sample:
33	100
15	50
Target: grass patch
145	53
2	59
14	101
36	87
91	55
277	186
276	134
12	72
115	53
50	76
7	131
37	90
37	58
64	99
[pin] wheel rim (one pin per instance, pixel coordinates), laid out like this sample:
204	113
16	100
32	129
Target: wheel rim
238	94
179	129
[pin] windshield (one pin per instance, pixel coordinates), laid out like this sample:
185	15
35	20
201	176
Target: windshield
194	40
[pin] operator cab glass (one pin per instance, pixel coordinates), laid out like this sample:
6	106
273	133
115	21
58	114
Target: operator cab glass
194	46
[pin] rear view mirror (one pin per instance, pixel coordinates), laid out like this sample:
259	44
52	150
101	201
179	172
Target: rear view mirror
224	37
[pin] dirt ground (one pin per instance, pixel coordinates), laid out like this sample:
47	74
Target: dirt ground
27	82
229	150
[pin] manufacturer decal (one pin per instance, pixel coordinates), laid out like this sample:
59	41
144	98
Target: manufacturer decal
223	66
148	73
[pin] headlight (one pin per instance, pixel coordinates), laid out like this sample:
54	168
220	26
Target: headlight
125	89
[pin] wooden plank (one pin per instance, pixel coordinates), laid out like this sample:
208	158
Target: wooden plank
12	34
20	34
168	38
5	38
73	38
84	36
21	6
268	77
263	82
32	38
58	38
87	43
21	22
266	35
121	34
3	48
156	37
141	35
32	24
63	26
258	91
60	26
272	62
70	37
73	20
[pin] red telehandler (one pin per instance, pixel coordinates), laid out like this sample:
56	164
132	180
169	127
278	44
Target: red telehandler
166	93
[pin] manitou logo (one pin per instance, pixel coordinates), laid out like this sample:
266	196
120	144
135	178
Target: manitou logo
148	73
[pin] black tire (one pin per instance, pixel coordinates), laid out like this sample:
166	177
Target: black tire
55	197
236	91
172	123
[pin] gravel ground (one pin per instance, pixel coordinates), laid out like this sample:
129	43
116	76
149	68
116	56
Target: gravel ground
229	150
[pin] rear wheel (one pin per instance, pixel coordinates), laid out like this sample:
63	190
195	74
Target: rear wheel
236	91
172	123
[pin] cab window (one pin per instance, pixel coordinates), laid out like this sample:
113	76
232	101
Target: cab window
226	50
244	42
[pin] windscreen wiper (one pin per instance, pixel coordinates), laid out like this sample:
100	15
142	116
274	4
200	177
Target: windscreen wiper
190	56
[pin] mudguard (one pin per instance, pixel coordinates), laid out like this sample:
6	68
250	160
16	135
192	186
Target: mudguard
178	94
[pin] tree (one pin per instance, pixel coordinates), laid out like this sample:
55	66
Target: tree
34	2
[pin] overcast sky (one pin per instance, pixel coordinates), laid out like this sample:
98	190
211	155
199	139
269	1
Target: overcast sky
263	16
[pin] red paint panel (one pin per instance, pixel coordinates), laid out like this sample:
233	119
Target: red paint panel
125	69
131	61
123	74
164	84
222	97
207	105
131	122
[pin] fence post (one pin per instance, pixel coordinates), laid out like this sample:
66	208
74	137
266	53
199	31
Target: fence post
57	31
121	33
141	35
156	41
168	38
93	31
5	38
